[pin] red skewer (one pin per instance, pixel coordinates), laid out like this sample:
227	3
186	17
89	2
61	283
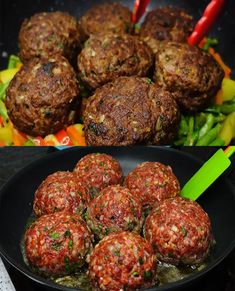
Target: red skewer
206	22
139	9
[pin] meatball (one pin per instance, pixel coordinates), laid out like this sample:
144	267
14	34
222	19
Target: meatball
43	96
45	35
58	244
167	23
109	56
61	191
120	113
152	182
190	74
122	261
107	17
179	231
167	116
98	171
114	210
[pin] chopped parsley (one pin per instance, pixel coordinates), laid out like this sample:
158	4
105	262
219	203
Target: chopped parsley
135	274
67	233
54	235
147	275
141	261
184	231
70	244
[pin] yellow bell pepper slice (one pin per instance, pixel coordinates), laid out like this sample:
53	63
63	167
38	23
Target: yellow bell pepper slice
8	75
228	89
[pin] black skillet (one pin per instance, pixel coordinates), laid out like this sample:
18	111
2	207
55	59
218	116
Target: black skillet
13	12
17	195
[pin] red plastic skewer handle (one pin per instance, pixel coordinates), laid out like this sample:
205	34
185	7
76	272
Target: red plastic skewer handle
205	23
139	9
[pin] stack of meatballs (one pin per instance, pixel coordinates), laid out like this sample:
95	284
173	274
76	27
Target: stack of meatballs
138	84
117	230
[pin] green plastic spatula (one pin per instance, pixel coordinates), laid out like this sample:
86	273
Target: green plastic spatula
208	173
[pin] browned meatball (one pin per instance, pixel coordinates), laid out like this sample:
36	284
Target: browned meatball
167	23
109	56
42	97
107	17
190	74
120	113
167	115
48	34
61	191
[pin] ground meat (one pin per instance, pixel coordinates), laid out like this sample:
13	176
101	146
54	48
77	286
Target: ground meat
114	210
167	115
189	73
43	96
167	23
58	244
107	17
179	231
120	113
122	261
49	34
109	56
152	182
98	171
61	191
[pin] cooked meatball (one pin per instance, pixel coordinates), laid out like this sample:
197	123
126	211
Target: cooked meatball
109	56
120	113
107	17
179	231
42	97
114	210
122	261
48	34
98	171
61	191
152	182
167	116
190	74
58	244
167	23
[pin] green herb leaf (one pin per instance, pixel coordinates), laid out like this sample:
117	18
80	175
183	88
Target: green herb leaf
54	235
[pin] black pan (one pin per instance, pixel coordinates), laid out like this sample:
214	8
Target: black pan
13	12
17	195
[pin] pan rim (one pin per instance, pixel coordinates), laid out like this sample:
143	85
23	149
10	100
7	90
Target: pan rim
45	282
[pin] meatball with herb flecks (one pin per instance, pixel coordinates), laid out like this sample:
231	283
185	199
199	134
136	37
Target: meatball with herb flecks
122	261
98	171
114	210
109	56
107	17
42	98
47	34
152	182
179	231
61	191
58	244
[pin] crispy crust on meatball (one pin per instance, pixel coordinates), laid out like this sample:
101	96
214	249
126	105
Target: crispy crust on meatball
107	17
58	244
109	56
122	261
114	210
43	96
61	191
190	74
98	171
48	34
119	113
168	23
179	231
152	182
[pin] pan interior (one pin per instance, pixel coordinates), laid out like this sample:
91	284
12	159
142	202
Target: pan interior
16	197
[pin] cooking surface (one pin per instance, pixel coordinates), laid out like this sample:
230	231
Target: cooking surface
12	14
221	278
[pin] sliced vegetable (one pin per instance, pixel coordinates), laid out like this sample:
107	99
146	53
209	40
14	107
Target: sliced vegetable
63	138
207	126
219	60
210	136
227	133
3	88
13	62
19	138
6	136
39	141
76	134
228	89
8	75
51	140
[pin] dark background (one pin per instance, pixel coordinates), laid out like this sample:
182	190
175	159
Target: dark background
13	12
222	278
